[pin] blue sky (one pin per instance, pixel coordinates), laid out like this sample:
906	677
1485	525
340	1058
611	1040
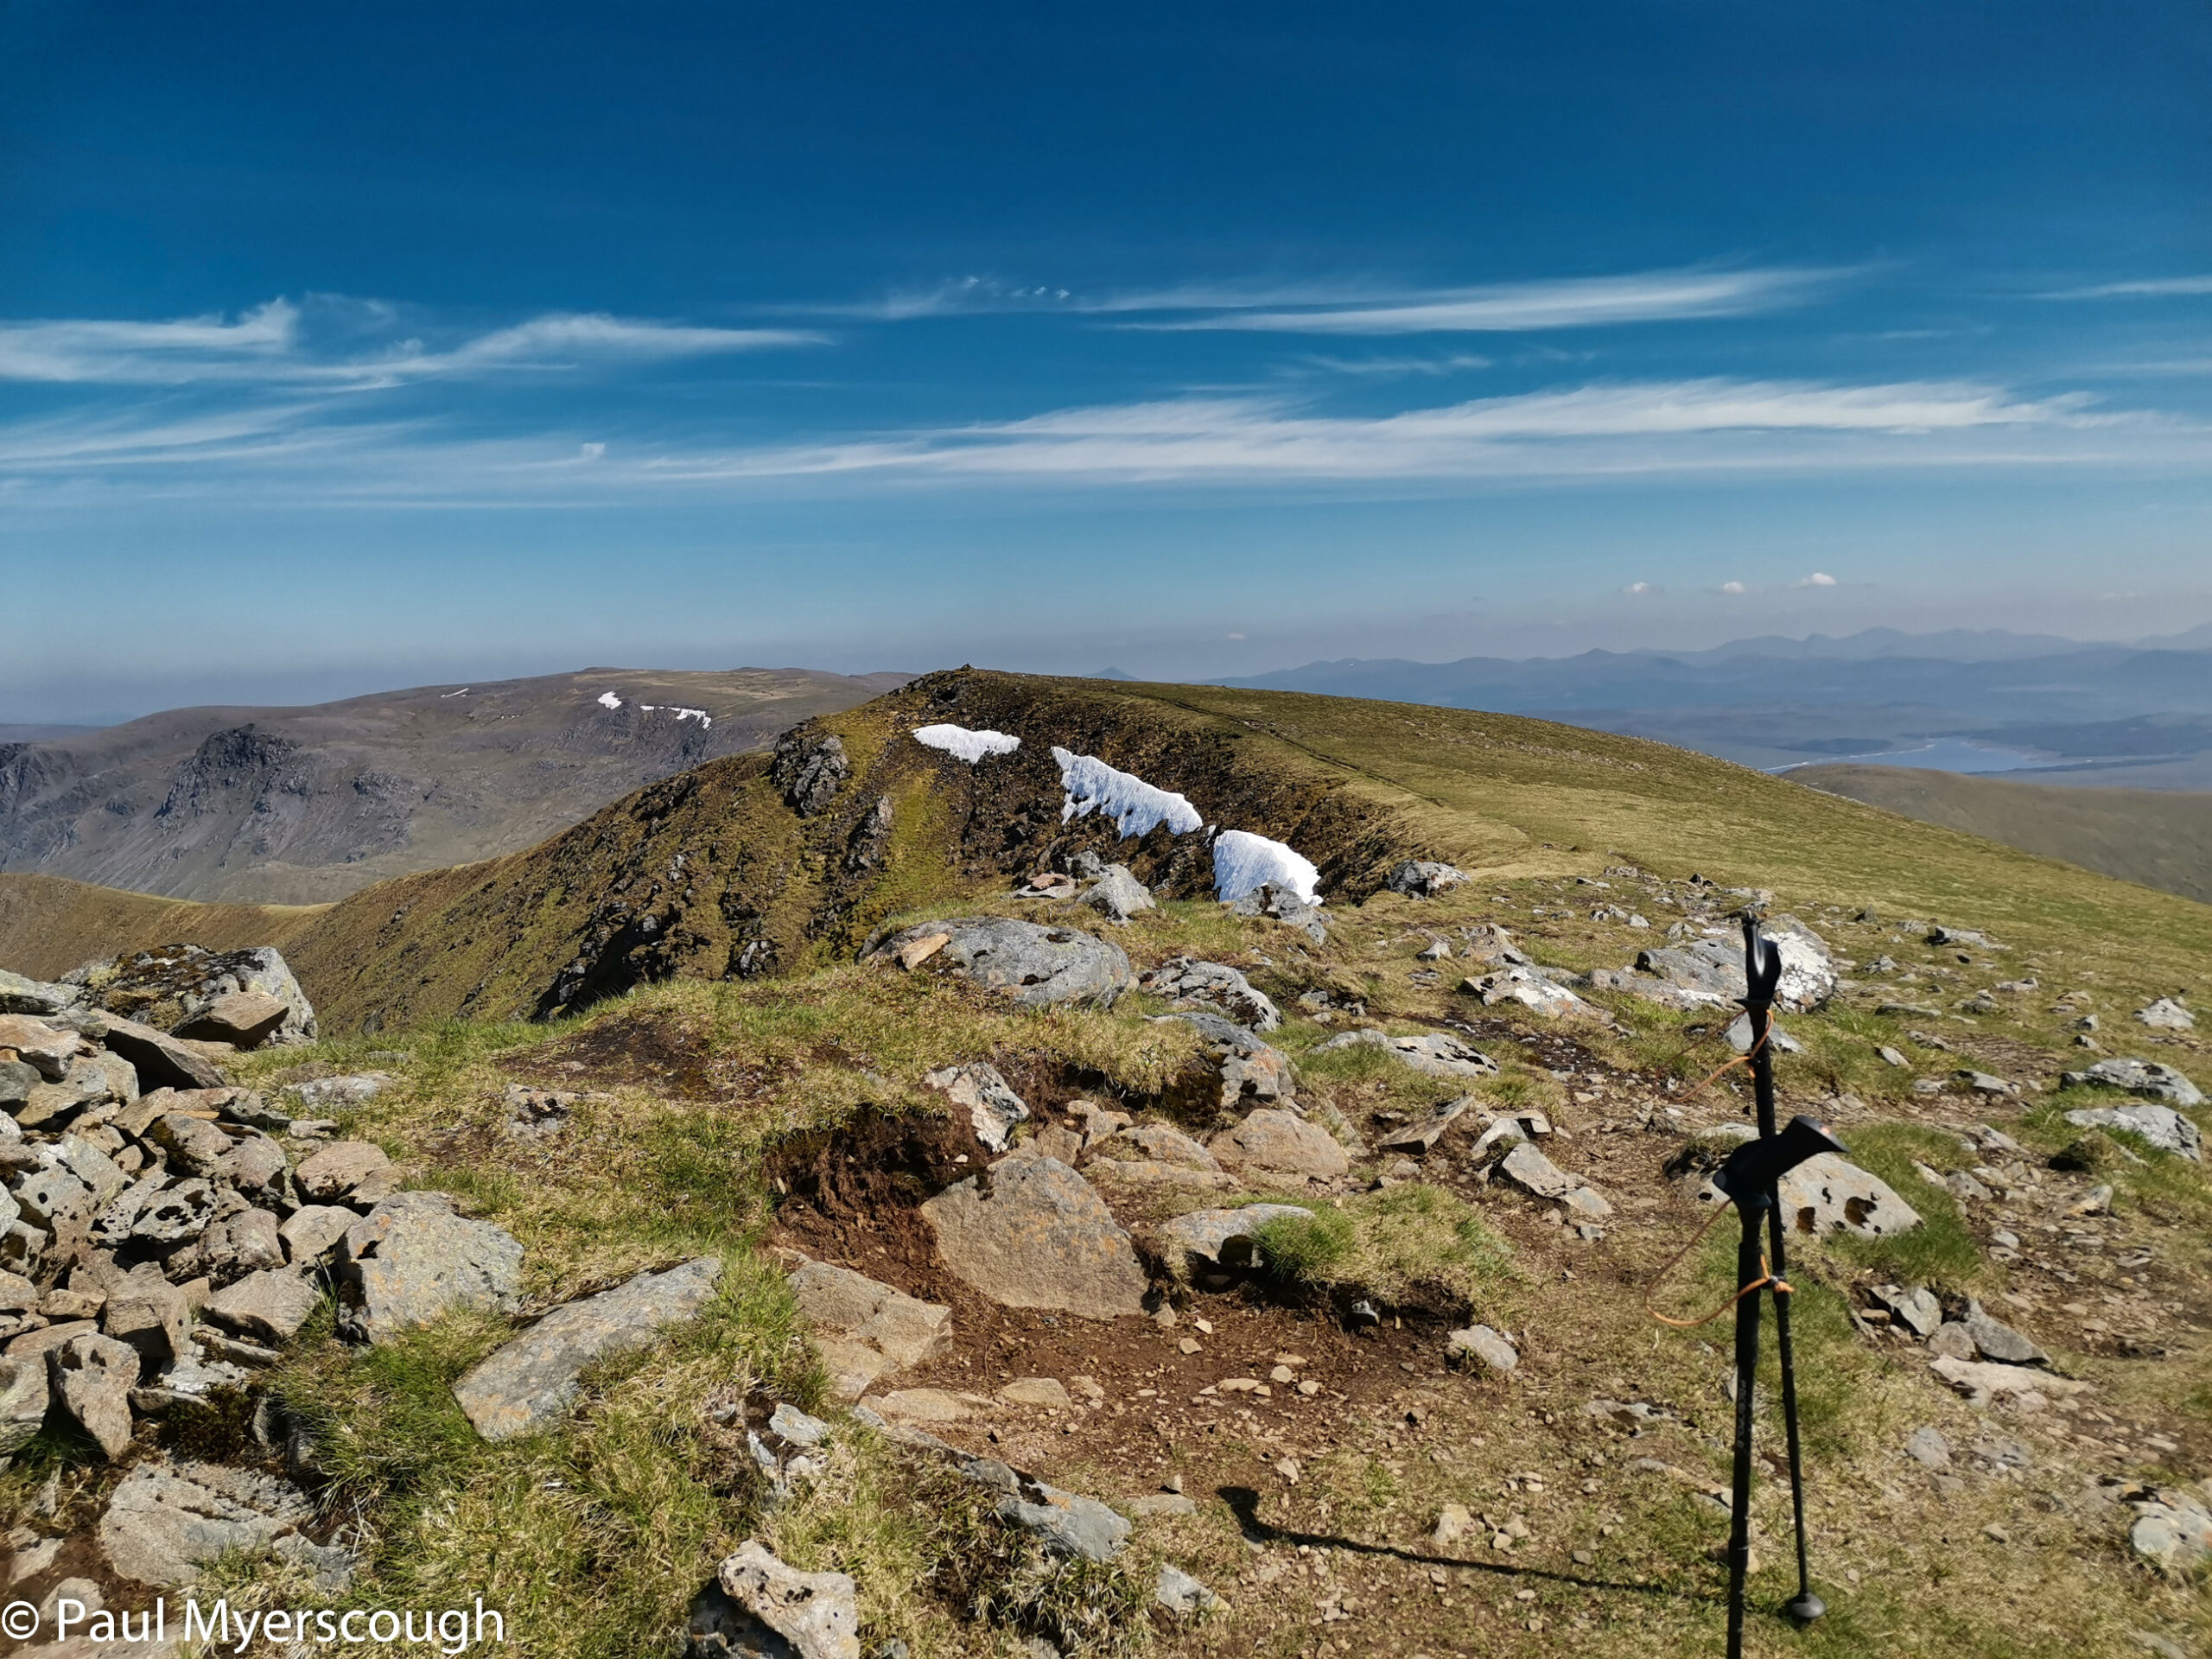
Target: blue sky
349	347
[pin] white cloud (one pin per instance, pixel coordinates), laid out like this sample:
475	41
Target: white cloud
1637	588
1512	308
1818	579
1734	587
272	345
2149	287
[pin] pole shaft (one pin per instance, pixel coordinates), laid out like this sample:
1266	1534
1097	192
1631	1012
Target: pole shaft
1747	1366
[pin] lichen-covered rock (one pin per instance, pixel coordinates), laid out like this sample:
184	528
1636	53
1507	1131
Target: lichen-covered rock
1241	1070
270	1306
2147	1078
807	769
1533	991
168	1521
1037	965
1825	1194
35	996
2161	1126
90	1377
1433	1054
818	1613
1030	1232
528	1386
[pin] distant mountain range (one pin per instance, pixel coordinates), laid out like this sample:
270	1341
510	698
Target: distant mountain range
304	805
2060	710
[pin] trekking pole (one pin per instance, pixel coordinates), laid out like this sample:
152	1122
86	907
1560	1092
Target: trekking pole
1761	954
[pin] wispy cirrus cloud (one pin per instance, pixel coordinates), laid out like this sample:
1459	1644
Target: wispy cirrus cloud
274	344
1519	308
2147	287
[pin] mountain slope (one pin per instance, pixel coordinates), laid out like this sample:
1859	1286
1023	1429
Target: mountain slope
2161	838
305	805
713	874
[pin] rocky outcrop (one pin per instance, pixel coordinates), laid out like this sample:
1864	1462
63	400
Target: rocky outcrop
1242	1071
1038	966
1424	879
528	1386
807	769
1030	1232
168	1521
2161	1126
992	1107
245	998
1118	895
1434	1054
1280	1142
2146	1078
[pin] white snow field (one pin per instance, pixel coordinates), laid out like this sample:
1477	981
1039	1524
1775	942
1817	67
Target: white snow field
1134	806
1243	861
609	700
963	744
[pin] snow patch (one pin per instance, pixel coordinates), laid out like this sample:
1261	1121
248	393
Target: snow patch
963	744
1243	862
609	700
704	719
1134	806
463	692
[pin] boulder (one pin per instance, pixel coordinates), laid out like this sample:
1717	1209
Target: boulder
242	1019
17	1079
1158	1143
529	1385
47	1049
1533	991
269	1306
2147	1078
1280	1141
1185	983
1434	1054
1241	1069
2164	1015
1030	1232
411	1259
1066	1523
1040	1393
1981	1382
1483	1346
1037	966
166	1520
818	1613
1916	1309
145	1310
1994	1339
2161	1126
1426	1129
195	1146
310	1231
1118	895
161	1060
35	996
1927	1448
175	1214
1824	1195
1423	878
90	1377
348	1171
1285	905
867	1329
992	1107
1221	1239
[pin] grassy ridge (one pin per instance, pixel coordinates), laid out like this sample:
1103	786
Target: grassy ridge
2162	838
47	925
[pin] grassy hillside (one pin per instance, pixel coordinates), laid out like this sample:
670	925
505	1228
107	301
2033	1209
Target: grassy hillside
48	925
2162	838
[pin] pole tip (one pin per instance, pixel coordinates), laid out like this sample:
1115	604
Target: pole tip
1805	1608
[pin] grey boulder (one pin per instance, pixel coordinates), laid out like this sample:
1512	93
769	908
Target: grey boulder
1283	1142
21	996
1421	878
1539	1177
1181	1594
1824	1195
1484	1346
1030	1232
1241	1069
1067	1523
1038	966
2144	1078
1118	895
818	1613
865	1329
1186	982
2166	1014
2161	1126
90	1377
411	1259
1434	1054
1221	1239
267	1307
529	1385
